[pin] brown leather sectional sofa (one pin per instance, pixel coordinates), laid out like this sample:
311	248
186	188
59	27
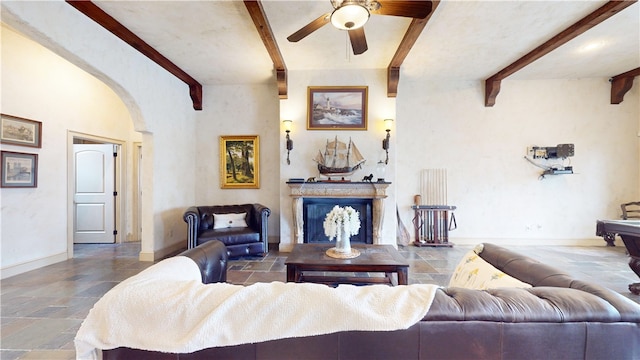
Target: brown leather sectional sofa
558	318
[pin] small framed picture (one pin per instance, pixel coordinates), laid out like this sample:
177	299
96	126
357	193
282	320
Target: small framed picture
240	162
19	131
19	170
337	108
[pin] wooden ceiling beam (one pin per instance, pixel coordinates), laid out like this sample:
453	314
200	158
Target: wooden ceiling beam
92	11
264	29
492	84
409	39
622	83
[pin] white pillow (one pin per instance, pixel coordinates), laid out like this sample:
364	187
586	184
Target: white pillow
221	221
473	272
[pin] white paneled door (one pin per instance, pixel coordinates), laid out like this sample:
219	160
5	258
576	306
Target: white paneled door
94	193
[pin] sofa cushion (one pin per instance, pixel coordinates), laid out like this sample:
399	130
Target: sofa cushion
230	236
473	272
221	221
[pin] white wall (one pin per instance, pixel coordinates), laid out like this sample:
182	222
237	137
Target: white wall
239	110
158	105
444	124
39	85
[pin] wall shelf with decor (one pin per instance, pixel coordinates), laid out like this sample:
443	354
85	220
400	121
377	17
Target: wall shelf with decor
546	157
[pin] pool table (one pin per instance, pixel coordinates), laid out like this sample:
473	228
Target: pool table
629	231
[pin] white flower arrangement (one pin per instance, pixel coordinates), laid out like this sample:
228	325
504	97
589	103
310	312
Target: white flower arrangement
346	218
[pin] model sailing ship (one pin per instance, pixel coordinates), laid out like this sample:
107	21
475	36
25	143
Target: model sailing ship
339	159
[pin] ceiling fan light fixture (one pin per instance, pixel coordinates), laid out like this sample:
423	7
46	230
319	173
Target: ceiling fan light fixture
349	16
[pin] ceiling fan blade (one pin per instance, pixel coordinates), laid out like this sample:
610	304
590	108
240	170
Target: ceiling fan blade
310	27
412	9
358	41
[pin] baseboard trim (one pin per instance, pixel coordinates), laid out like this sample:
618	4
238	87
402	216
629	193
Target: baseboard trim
162	253
17	269
535	242
145	256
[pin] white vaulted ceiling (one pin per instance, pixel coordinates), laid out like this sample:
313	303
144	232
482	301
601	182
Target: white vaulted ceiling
217	43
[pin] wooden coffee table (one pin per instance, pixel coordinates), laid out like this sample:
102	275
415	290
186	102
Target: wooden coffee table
308	262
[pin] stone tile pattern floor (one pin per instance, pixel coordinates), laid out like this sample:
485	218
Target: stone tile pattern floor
43	309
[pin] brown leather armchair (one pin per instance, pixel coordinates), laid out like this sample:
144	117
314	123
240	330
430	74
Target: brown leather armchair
205	223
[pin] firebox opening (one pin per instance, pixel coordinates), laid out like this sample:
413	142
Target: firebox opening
315	210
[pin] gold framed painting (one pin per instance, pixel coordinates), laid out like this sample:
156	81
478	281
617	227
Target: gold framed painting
337	107
240	162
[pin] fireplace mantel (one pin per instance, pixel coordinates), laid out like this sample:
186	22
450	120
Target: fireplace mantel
329	189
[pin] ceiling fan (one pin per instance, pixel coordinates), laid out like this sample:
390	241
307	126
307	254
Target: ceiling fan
351	15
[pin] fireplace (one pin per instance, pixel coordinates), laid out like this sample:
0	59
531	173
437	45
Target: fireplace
315	209
366	197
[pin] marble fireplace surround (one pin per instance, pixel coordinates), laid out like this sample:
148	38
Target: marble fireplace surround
324	189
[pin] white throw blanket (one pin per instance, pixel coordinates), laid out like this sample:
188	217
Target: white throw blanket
167	308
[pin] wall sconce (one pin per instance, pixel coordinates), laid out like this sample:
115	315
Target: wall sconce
288	142
388	123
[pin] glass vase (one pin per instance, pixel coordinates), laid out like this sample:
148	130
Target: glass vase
343	242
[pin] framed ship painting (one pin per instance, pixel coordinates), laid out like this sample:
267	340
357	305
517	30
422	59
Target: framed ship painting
337	108
240	162
19	131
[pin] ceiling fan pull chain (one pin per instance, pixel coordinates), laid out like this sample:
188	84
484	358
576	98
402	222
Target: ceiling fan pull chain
347	50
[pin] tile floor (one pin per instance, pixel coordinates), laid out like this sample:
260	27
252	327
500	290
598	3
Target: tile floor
43	309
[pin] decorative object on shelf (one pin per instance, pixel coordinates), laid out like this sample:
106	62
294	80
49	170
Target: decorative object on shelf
542	155
339	159
288	142
340	108
240	162
341	223
385	142
367	178
19	170
19	131
381	169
